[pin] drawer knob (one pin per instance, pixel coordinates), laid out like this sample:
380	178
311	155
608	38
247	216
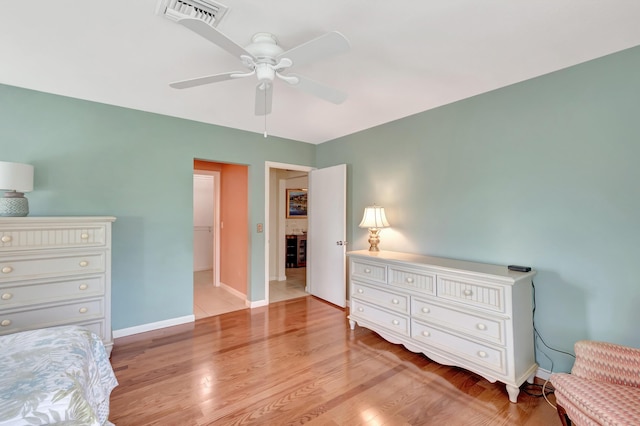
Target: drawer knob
482	354
426	333
83	286
481	326
360	309
409	280
83	263
426	310
360	291
7	270
395	322
395	301
84	236
6	238
467	292
83	310
7	296
367	270
5	323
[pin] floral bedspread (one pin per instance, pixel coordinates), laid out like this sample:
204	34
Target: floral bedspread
54	375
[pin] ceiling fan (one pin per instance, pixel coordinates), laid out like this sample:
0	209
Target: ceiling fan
265	59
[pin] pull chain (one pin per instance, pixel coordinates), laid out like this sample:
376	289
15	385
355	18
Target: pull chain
265	111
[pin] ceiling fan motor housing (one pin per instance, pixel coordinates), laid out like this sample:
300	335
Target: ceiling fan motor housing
264	48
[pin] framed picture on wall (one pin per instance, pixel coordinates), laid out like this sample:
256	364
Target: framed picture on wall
296	203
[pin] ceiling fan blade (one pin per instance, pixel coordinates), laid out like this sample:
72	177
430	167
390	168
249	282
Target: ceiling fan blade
264	96
317	89
319	48
207	31
199	81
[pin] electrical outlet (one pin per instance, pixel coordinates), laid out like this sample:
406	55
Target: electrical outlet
260	228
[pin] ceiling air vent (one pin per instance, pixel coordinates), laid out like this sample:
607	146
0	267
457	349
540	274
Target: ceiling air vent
205	10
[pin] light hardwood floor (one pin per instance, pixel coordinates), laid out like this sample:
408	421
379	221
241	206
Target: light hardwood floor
210	301
297	362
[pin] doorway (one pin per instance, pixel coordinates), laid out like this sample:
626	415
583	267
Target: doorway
286	275
220	203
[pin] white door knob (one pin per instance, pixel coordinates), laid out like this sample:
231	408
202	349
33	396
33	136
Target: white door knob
83	286
7	296
83	310
7	270
395	322
5	323
6	238
84	263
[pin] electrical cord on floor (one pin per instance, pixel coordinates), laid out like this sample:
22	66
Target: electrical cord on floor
537	390
538	336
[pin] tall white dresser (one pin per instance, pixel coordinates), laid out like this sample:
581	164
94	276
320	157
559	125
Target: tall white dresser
471	315
56	271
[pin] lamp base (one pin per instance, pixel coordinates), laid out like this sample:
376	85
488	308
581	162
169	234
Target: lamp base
14	204
374	239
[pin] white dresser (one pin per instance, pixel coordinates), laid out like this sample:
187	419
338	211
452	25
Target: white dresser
471	315
56	271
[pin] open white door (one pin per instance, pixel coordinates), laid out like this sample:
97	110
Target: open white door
326	245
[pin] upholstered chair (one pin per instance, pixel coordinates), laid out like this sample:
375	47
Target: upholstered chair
603	387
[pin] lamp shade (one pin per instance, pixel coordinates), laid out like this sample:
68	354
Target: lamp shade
16	177
374	217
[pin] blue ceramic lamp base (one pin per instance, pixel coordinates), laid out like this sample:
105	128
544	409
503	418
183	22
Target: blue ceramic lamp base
13	204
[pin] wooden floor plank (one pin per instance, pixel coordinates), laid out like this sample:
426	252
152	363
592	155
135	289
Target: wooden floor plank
297	362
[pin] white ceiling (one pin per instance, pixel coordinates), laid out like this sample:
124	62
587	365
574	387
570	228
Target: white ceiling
407	56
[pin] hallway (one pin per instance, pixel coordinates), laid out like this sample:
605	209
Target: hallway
210	301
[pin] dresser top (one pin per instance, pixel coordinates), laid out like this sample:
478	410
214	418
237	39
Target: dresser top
54	219
442	263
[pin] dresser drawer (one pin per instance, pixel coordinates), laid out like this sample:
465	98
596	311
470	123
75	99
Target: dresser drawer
483	355
23	268
49	316
391	321
369	271
411	279
386	299
472	293
39	238
51	291
478	326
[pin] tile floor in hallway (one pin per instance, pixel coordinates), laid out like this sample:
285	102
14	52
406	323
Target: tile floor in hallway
209	300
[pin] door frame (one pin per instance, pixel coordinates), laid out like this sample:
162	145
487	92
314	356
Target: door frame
268	165
216	222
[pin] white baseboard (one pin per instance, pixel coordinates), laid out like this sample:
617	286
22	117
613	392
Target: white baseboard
234	291
543	374
257	303
153	326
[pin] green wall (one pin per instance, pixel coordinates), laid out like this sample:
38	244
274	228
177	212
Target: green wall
96	159
542	173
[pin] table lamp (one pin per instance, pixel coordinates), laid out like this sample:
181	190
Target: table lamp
15	179
374	219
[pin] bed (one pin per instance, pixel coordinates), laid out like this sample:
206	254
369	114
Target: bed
54	375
